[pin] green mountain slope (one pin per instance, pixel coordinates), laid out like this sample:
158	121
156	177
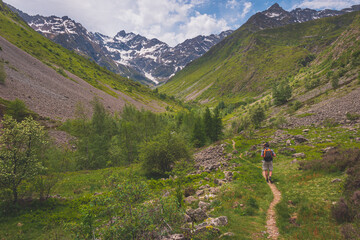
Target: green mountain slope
248	63
17	32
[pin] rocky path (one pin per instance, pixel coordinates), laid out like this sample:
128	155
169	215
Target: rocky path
271	227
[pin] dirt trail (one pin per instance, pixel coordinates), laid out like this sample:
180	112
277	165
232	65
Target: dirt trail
271	227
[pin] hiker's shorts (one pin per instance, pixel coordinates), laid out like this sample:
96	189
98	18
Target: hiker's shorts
267	165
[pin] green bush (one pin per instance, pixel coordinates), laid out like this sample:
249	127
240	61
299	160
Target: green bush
281	93
159	154
352	116
2	73
17	109
312	83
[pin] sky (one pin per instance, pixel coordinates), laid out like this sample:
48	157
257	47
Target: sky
171	21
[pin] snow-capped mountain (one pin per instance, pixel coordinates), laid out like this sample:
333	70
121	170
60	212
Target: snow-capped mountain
129	54
275	16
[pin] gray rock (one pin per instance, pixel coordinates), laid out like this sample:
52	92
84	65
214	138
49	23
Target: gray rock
215	222
204	187
219	182
228	234
190	200
288	142
306	130
298	155
204	206
357	139
228	175
197	215
294	161
300	139
214	190
336	180
174	237
325	150
205	229
199	192
187	218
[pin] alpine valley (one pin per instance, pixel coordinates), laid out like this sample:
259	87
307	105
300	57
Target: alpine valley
88	152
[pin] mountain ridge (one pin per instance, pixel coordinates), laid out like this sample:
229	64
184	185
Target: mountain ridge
149	61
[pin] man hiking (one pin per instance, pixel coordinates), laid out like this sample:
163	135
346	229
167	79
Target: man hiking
268	155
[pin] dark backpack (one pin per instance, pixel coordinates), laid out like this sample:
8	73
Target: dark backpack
268	155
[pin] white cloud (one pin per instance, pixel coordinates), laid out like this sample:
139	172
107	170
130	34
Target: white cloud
329	4
171	21
247	7
232	4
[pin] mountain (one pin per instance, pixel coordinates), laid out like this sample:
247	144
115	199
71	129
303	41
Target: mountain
52	80
252	60
276	16
149	61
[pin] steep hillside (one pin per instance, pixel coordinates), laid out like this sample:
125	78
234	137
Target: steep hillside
51	79
249	63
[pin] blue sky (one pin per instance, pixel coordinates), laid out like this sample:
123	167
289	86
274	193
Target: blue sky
171	21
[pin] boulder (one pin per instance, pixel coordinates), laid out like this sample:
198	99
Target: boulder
228	234
205	229
215	222
190	200
214	190
325	150
300	139
174	237
298	155
199	192
306	130
336	180
204	206
228	175
197	215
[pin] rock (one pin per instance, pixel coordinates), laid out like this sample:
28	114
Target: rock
336	180
286	150
235	204
174	237
187	218
306	130
219	182
300	139
298	155
228	175
199	192
197	215
204	206
214	190
215	222
228	234
204	229
294	161
357	139
190	200
206	179
166	194
204	224
253	148
288	142
241	205
209	196
325	150
204	187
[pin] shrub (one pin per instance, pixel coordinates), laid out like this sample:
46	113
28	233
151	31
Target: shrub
312	83
190	190
329	122
257	115
335	82
2	73
341	212
352	116
159	154
17	110
281	93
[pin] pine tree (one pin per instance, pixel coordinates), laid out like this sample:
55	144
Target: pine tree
208	124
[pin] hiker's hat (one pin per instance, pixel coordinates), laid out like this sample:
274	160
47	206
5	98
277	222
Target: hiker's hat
266	144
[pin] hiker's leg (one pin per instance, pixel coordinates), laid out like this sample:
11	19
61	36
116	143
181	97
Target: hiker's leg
265	174
270	173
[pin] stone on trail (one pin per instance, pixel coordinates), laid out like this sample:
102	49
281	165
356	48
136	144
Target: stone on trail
298	155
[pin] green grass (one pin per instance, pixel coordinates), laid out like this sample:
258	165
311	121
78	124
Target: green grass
247	64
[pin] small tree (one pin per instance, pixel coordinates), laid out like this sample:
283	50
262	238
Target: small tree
281	93
2	73
17	109
19	145
257	115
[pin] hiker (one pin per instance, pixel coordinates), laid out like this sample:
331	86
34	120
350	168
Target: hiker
268	155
